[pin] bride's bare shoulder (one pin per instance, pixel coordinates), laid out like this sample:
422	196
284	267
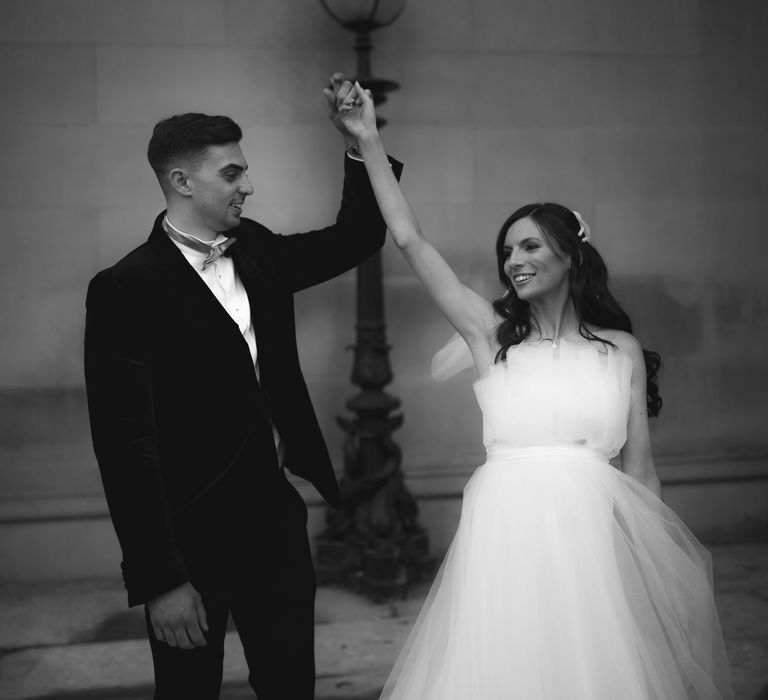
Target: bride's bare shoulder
621	339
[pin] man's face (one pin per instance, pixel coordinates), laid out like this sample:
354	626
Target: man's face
219	186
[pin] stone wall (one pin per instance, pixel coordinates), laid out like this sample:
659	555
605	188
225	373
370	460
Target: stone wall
651	118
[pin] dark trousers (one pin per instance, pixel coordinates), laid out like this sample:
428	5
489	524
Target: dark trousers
269	588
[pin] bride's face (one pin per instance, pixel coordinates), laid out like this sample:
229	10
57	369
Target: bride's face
532	264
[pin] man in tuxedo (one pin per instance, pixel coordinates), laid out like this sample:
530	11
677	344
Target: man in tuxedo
198	405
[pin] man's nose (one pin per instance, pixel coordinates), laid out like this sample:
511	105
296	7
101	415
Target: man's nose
245	186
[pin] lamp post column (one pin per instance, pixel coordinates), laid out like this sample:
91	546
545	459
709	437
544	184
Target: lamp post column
374	542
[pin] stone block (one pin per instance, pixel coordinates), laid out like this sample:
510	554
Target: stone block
647	91
46	84
741	402
668	314
464	233
121	229
440	162
184	79
686	420
592	26
43	340
325	327
171	22
554	165
711	406
297	174
729	221
722	512
443	25
64	550
436	87
45	448
275	24
94	167
735	165
739	317
254	87
647	164
657	237
732	92
442	424
540	91
43	285
738	27
52	250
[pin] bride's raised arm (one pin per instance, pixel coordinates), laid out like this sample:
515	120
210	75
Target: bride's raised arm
468	312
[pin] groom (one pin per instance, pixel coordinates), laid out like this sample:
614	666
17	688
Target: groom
198	405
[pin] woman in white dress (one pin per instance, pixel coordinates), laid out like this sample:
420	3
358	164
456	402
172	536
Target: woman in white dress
567	577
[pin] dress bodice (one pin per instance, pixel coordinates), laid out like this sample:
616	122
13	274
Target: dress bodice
574	394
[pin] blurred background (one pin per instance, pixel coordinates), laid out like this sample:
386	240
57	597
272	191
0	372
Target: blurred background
650	118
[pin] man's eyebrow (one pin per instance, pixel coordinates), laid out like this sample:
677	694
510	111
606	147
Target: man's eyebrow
233	166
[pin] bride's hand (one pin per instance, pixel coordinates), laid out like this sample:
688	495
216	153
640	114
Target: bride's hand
357	112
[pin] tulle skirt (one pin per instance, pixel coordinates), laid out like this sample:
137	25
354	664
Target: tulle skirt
566	579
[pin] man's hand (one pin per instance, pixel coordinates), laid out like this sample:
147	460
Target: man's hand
335	94
178	617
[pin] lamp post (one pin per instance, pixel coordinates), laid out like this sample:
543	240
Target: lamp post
374	542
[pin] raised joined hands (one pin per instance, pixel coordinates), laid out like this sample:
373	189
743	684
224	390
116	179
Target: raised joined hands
357	112
335	93
346	107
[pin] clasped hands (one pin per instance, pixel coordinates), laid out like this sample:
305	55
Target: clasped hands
351	109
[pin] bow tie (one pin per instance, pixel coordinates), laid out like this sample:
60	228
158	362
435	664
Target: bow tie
211	251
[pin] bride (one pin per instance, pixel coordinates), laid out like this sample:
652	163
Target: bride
567	577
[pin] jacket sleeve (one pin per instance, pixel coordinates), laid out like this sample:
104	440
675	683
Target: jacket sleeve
120	403
307	259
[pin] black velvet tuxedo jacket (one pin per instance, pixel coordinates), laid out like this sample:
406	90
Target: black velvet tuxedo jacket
173	397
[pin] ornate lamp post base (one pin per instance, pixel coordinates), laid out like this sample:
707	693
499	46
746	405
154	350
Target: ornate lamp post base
374	543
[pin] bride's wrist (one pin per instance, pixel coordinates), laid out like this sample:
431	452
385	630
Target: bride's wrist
368	140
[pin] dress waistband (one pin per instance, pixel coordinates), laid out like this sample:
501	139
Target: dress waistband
500	453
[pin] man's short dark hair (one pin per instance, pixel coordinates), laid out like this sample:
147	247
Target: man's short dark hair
186	136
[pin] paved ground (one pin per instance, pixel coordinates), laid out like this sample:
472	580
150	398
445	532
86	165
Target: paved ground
79	641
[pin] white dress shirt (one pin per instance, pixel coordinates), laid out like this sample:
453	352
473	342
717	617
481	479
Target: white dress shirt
220	277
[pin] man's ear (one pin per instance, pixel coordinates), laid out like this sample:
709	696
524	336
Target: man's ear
180	182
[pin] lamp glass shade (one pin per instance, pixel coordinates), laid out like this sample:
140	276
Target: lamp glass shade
374	12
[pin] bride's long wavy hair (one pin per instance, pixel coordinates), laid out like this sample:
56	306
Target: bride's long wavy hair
588	280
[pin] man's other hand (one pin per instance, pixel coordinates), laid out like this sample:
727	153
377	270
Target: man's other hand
178	617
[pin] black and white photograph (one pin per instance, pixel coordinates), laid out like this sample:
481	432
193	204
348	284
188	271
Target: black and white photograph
384	350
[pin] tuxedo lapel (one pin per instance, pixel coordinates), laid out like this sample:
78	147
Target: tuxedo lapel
189	296
253	279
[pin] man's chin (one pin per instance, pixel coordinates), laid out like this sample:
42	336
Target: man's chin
231	221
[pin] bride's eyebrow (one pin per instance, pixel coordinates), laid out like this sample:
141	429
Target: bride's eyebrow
530	239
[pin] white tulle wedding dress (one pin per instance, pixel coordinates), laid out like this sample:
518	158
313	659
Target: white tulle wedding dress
566	579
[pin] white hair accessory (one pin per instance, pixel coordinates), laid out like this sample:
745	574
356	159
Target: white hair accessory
584	232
